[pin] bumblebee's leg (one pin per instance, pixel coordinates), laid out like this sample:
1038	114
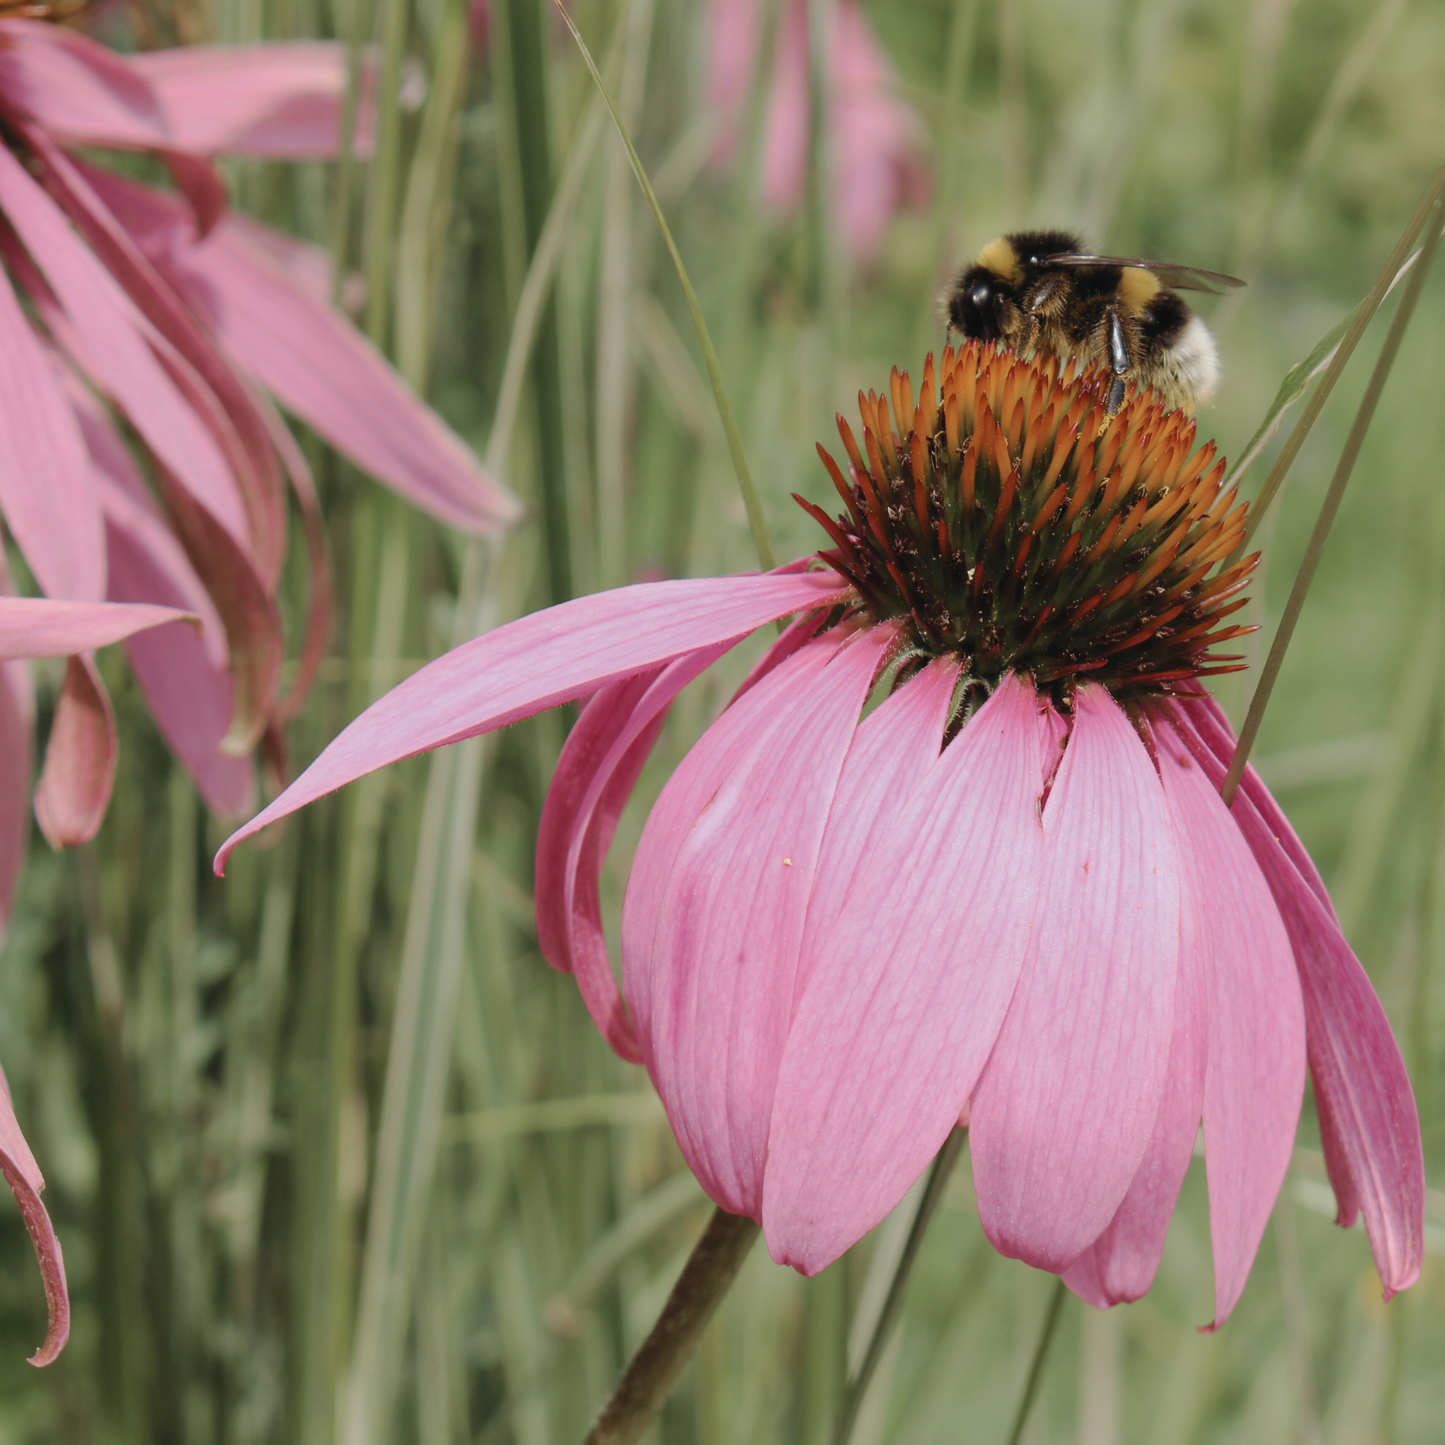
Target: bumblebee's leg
1039	307
1120	361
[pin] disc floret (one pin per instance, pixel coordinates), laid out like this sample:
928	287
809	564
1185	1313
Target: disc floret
1010	523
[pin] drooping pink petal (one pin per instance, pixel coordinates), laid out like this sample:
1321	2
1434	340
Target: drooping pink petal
23	1176
115	355
46	627
78	91
1368	1121
912	971
541	660
1066	1106
591	784
730	921
98	326
319	366
306	267
208	381
282	100
320	612
45	490
79	769
1121	1264
255	648
1254	1082
1208	722
17	747
184	676
198	180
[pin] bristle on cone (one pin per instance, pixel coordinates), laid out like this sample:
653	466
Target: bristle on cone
1019	528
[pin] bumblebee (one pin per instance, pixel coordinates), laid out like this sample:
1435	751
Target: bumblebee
1040	291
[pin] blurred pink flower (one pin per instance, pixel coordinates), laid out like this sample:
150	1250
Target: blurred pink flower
873	136
161	310
37	627
1010	895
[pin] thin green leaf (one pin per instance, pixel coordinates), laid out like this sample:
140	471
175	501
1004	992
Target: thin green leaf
757	523
1356	329
1297	380
1430	214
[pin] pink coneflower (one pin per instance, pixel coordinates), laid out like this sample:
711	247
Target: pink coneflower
874	136
1011	894
143	337
38	627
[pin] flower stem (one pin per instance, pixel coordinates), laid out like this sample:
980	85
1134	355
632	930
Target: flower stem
883	1327
1036	1365
757	523
705	1278
1335	495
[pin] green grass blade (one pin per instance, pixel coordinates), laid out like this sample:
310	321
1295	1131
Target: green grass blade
1433	207
1356	329
757	523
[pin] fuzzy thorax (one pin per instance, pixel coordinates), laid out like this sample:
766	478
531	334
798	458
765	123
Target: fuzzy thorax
1011	527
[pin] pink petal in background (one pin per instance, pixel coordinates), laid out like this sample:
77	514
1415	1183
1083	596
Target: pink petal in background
873	136
23	1176
206	379
732	50
17	748
46	493
282	100
320	367
79	91
79	769
185	677
46	627
111	337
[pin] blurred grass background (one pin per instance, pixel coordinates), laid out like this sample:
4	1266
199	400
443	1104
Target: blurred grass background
333	1154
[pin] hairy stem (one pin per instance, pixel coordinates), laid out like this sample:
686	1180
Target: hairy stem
705	1278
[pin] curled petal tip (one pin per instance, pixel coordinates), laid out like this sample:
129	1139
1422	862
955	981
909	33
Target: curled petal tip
22	1175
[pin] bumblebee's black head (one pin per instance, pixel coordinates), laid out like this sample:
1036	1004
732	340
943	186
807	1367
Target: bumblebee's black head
983	301
976	303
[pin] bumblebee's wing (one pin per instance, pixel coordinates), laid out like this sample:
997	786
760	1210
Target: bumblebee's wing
1171	277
